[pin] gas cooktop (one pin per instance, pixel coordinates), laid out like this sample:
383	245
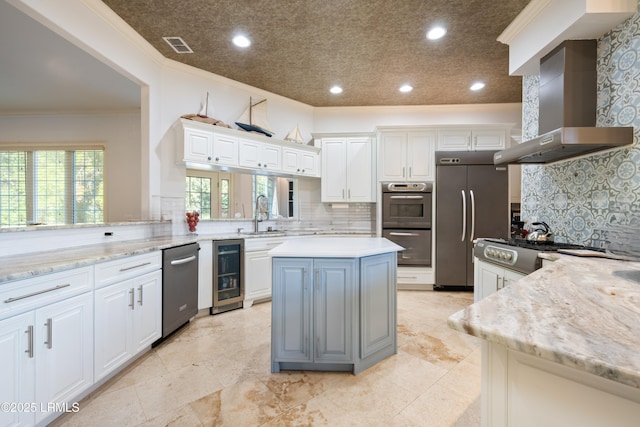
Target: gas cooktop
541	246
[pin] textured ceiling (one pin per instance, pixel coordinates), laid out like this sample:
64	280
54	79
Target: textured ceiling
369	47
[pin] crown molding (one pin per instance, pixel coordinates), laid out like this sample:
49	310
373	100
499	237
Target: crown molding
524	18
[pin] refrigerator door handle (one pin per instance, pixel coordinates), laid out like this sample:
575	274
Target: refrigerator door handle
473	215
464	215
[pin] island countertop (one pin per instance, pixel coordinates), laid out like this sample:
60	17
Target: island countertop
335	247
582	313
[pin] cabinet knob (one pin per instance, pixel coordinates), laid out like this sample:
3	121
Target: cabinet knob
209	158
259	164
217	159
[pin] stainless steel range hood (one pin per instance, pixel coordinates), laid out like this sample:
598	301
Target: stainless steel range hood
567	117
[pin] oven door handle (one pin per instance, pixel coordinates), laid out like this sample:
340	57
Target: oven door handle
395	233
464	215
473	215
407	197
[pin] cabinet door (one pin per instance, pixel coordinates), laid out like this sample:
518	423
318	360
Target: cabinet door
225	150
198	145
271	157
359	168
511	277
489	279
291	310
257	275
291	160
64	349
147	314
334	308
114	306
17	376
393	156
249	153
334	170
420	156
308	162
377	303
454	140
489	139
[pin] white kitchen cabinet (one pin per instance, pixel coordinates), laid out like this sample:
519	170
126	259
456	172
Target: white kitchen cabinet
257	269
205	274
17	376
198	145
225	150
407	156
490	278
64	350
260	155
471	139
347	170
46	342
128	315
300	162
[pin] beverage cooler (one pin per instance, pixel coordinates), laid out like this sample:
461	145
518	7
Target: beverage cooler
228	280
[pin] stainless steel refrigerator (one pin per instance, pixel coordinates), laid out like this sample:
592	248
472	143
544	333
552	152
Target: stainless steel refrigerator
472	201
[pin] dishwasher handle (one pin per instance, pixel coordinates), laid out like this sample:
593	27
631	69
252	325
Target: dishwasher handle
183	260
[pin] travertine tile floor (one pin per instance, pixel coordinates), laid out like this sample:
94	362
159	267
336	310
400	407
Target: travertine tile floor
216	372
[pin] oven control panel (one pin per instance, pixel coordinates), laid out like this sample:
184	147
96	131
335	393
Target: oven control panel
501	255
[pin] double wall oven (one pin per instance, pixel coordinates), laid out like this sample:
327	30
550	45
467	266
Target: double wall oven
406	220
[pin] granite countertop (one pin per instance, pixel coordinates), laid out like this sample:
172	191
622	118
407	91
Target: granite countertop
335	247
23	266
580	312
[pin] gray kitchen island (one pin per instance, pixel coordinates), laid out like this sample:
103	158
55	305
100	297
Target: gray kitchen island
333	303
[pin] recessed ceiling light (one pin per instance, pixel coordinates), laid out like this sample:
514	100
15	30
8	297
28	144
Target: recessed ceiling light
335	90
436	32
477	86
241	41
406	88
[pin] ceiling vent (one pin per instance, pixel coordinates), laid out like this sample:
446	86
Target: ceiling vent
178	44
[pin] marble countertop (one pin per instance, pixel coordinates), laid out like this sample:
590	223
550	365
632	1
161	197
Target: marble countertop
580	312
23	266
335	247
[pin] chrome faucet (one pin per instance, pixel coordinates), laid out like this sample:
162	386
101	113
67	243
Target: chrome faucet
261	211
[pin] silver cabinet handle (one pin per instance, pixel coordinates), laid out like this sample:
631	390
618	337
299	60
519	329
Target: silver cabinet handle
396	233
131	298
473	214
55	288
183	260
464	215
29	333
410	172
407	197
140	291
343	193
349	194
403	168
49	325
135	266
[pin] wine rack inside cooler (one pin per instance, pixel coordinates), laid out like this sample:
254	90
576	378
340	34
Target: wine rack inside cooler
228	284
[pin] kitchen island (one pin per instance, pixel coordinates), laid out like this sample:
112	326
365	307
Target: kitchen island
562	346
333	303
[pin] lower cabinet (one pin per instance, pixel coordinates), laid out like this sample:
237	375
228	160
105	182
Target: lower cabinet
47	359
490	278
257	269
333	314
128	319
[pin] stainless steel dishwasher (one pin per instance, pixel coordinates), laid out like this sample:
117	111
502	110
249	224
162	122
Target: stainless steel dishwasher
179	286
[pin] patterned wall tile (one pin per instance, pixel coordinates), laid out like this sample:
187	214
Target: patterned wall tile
579	198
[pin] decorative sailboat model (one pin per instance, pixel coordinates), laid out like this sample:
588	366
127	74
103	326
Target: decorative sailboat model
254	118
295	136
203	117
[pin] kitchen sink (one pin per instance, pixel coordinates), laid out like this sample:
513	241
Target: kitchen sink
262	233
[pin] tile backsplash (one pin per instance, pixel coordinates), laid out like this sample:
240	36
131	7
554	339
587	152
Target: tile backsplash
581	197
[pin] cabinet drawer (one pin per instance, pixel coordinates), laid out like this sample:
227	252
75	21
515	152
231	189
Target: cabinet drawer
126	268
261	244
29	294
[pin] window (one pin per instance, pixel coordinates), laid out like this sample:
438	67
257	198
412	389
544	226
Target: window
265	185
51	186
209	193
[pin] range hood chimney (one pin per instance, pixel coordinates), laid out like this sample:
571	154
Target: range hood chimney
567	115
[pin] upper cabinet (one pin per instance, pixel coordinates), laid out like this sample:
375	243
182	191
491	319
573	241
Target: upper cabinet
348	172
471	139
407	156
203	145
